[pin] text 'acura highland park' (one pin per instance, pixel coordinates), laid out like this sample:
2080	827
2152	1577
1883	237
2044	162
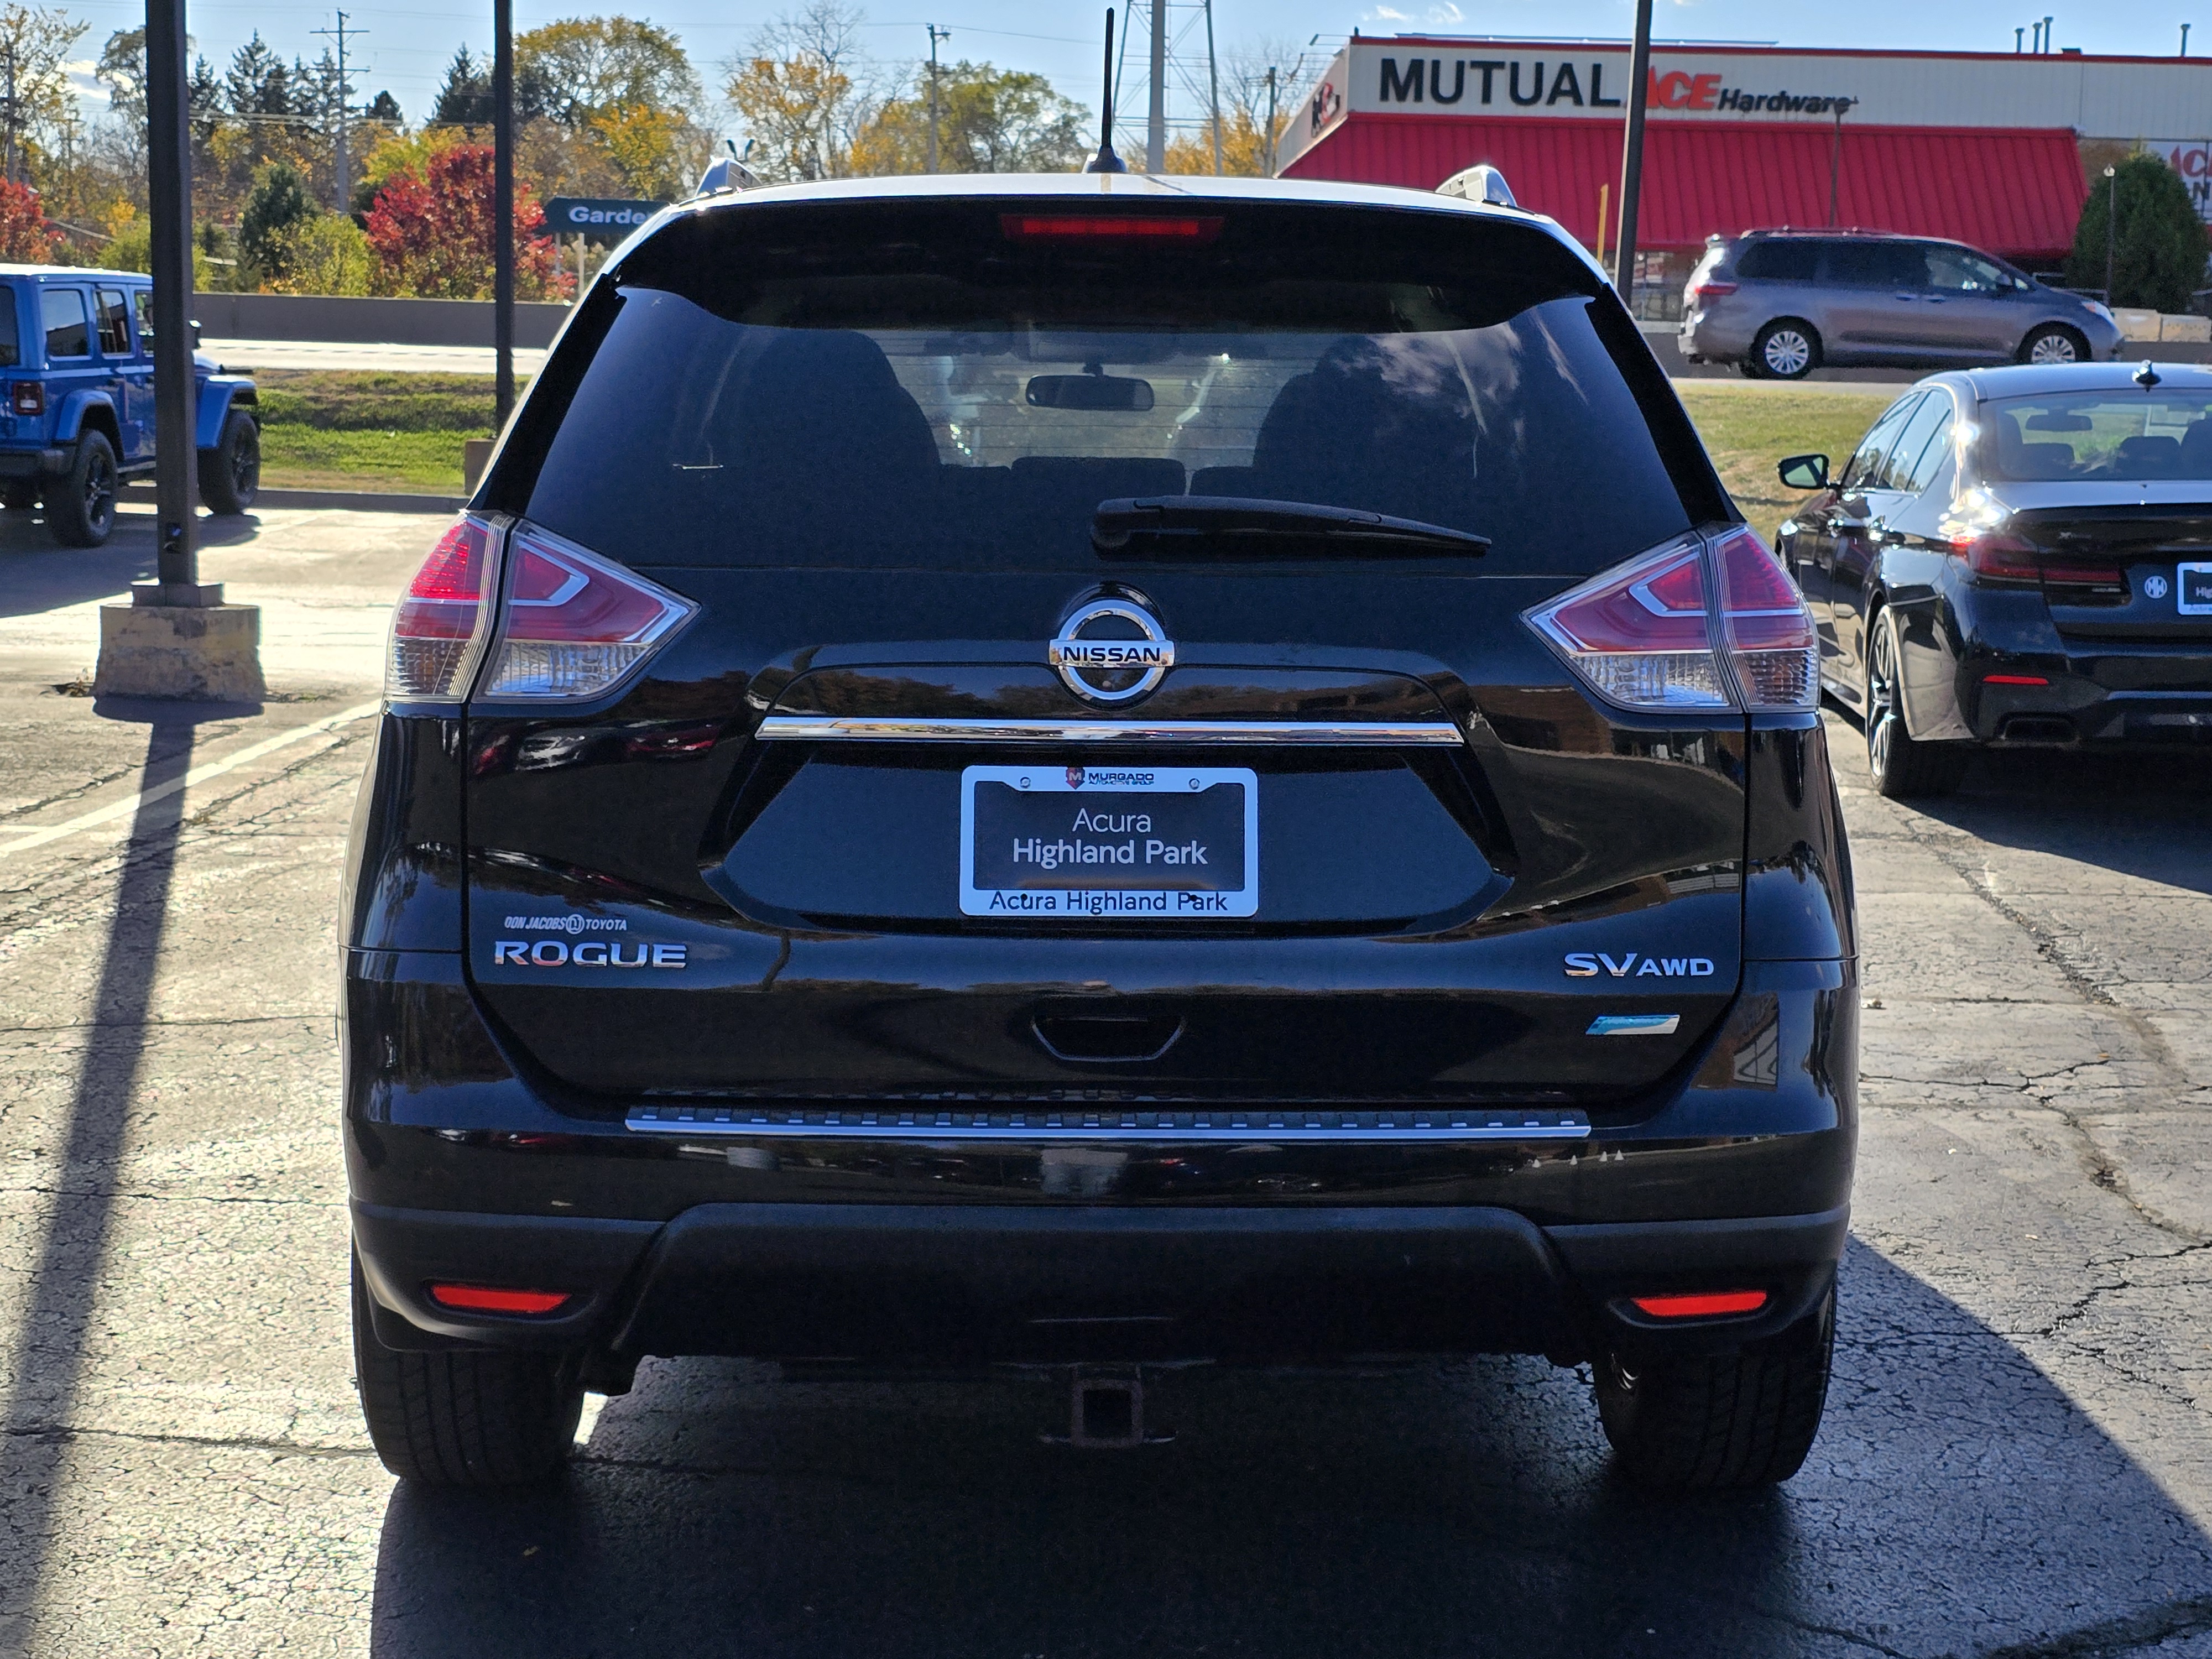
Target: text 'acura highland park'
1086	772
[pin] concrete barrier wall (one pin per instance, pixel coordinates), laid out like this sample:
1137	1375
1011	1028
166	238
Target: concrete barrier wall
380	322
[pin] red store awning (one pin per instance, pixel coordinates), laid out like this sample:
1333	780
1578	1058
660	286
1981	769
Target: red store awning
2013	193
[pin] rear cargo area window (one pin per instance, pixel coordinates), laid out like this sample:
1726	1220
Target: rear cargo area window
921	385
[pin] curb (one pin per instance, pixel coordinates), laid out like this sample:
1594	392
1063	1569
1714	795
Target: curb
344	501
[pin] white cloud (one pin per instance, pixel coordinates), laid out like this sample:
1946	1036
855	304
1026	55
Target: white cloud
1387	14
1447	13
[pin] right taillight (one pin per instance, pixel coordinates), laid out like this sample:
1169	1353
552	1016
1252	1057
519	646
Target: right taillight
29	398
1707	291
1696	625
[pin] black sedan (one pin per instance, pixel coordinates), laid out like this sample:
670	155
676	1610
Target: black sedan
2019	557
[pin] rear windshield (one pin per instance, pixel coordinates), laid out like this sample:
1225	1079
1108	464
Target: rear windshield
2110	437
961	384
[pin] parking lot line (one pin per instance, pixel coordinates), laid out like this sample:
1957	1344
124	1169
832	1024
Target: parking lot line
252	751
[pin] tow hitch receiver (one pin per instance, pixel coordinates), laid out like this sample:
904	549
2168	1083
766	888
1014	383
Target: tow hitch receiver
1106	1411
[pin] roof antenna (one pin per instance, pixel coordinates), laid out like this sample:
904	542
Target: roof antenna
1106	160
2145	377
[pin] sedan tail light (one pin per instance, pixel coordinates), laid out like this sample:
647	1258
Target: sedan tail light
573	625
1998	559
1695	624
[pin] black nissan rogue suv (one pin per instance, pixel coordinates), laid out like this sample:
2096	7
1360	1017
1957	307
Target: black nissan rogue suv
1090	771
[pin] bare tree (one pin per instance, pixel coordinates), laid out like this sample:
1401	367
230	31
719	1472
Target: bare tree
804	93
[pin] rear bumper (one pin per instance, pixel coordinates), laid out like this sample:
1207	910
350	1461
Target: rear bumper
1014	1283
2075	709
33	463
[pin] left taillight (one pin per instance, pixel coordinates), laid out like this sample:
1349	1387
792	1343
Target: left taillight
1699	624
440	623
546	619
574	625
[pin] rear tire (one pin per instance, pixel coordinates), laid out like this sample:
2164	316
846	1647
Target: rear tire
1785	349
1724	1422
464	1417
230	473
1902	765
2054	344
80	503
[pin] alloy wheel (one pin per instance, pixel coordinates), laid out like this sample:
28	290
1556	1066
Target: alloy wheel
1880	698
99	490
1787	353
245	464
2053	348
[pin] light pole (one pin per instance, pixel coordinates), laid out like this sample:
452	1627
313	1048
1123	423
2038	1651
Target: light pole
502	205
2111	226
1632	156
176	638
1836	159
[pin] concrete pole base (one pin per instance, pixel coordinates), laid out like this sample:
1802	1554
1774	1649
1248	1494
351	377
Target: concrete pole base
200	653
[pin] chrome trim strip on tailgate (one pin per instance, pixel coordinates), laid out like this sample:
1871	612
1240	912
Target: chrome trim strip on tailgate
809	728
1033	1123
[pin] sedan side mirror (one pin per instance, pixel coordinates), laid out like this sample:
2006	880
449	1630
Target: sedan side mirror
1804	472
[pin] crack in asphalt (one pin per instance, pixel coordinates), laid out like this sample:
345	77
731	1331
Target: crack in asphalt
2103	1170
52	1433
2189	1616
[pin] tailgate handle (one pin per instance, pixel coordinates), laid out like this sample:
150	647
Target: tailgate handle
1107	1039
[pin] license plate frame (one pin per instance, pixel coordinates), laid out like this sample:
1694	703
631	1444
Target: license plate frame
1178	894
2202	585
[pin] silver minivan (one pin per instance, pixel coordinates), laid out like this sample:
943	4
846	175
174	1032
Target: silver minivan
1781	304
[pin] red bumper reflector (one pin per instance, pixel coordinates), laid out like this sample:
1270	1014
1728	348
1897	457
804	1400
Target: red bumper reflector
1126	228
1703	1305
2013	679
479	1298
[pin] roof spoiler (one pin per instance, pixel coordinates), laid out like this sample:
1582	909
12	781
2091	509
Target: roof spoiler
1480	183
728	173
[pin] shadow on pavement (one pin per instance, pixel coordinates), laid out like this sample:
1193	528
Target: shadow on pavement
66	1272
1956	1502
36	575
2144	813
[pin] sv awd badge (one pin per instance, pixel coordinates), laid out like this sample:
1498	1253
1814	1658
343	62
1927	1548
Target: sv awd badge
1584	964
592	953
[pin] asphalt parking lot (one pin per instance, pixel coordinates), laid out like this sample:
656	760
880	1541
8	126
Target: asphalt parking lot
2017	1458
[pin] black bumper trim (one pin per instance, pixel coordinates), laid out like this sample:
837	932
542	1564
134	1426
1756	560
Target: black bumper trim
984	1283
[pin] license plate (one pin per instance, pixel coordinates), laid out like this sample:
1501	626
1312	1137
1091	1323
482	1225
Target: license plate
2192	589
1109	843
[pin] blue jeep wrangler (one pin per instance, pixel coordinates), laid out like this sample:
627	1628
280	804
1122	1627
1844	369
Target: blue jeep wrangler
76	356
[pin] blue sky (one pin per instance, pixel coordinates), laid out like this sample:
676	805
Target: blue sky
407	42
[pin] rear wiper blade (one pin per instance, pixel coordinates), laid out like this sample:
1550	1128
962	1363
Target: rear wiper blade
1157	526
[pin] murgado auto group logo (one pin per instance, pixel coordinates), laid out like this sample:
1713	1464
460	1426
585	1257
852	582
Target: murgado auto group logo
1111	651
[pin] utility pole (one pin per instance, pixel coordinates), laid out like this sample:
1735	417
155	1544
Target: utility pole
344	203
502	205
1632	156
1155	125
1270	164
1213	86
936	34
